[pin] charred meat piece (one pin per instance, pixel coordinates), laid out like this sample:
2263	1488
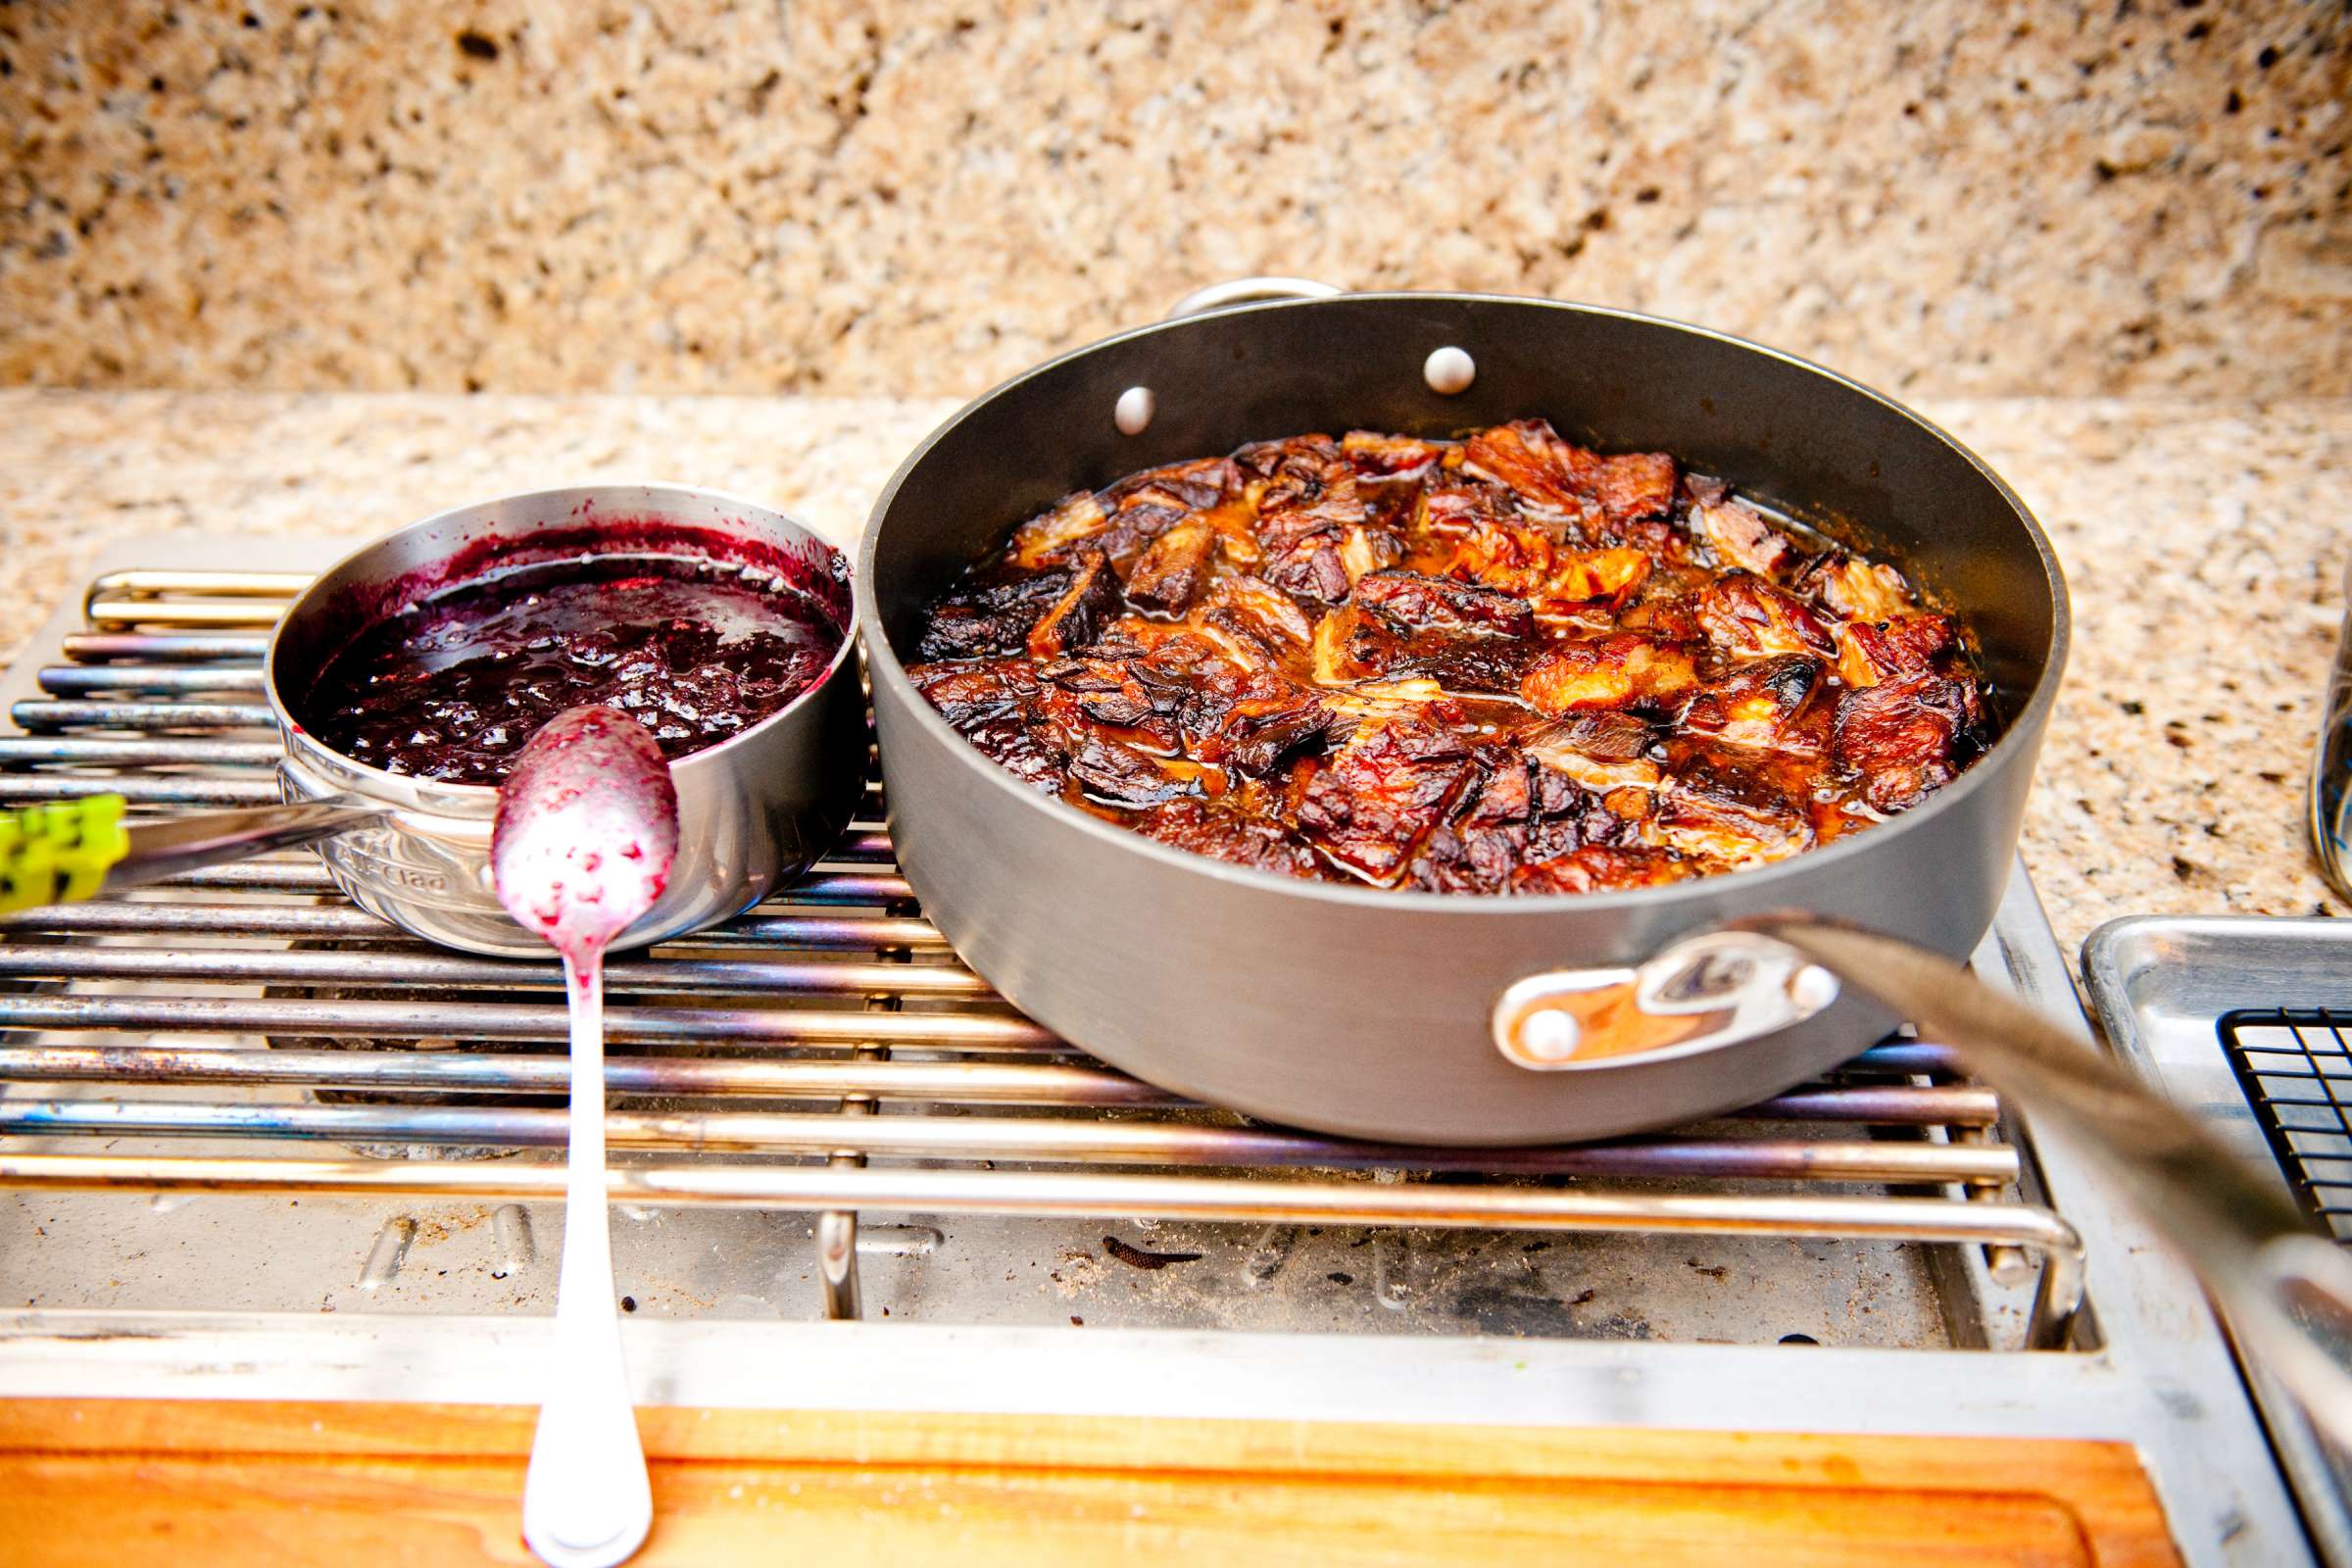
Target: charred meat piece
1371	453
1516	558
969	695
1174	569
1760	704
985	621
1290	465
1311	568
1749	618
1078	617
1623	670
1869	655
1352	645
1521	814
1902	737
1321	537
1742	539
1528	456
1463	664
1726	819
1249	720
1205	828
1602	751
1192	486
1598	868
1120	775
1857	589
993	707
1455	510
1252	623
1415	600
1106	689
1390	471
1369	808
1048	538
1582	578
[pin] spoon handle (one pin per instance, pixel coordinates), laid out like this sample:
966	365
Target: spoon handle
586	1502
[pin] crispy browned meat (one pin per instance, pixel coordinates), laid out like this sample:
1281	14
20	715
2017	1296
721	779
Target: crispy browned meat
1503	665
1749	618
1174	569
1598	869
1079	616
1418	600
1903	738
1618	671
1741	538
1603	493
1908	645
1766	703
1713	815
1382	790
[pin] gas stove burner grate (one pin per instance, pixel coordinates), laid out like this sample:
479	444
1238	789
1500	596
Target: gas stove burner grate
2296	1070
825	1053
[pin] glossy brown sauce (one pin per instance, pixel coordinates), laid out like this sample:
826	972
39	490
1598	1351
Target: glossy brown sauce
1499	665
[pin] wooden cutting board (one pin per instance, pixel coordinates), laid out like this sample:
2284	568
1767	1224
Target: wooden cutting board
182	1482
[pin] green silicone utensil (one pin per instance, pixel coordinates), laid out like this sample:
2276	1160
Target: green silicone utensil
69	851
60	852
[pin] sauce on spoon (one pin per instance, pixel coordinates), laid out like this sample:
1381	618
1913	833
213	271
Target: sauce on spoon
586	833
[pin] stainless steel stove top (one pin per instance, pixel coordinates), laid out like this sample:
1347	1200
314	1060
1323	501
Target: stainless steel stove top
823	1116
2247	1022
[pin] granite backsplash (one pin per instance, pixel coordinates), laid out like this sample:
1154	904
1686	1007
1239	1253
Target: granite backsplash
1949	198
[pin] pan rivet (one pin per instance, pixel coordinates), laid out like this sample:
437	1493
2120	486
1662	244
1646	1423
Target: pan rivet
1448	371
1549	1033
1133	413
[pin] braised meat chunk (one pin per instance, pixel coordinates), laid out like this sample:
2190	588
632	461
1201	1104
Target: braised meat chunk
1504	666
1384	789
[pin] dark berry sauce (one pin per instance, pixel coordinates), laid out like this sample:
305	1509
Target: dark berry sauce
451	687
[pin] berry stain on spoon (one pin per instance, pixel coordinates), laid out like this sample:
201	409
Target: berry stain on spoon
585	836
587	831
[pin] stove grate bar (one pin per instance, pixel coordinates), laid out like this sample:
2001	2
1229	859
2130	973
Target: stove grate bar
344	922
1026	1139
1110	1195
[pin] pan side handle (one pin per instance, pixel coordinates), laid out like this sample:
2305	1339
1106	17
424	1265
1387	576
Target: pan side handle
1700	993
2286	1288
1248	291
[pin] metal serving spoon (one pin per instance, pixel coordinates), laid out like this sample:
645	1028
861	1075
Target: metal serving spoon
586	833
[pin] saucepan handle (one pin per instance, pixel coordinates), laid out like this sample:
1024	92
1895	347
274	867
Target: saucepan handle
2286	1289
1248	291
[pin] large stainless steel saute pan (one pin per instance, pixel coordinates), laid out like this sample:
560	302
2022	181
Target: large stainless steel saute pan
1417	1016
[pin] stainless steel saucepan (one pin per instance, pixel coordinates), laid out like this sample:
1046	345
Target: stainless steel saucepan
753	809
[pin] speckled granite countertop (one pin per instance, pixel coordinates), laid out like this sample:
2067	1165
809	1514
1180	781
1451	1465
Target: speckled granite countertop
2203	542
828	196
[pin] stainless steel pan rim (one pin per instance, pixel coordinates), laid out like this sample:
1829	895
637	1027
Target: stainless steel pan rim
486	794
755	809
883	663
